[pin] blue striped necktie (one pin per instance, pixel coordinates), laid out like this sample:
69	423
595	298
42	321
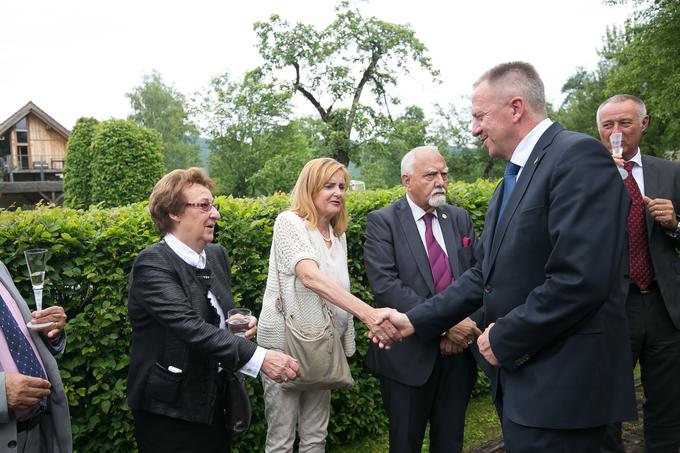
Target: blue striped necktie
509	181
19	347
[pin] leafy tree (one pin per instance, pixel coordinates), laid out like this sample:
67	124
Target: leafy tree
466	158
331	68
381	158
255	149
160	107
126	163
77	172
638	59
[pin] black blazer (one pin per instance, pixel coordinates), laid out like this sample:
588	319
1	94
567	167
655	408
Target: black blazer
552	281
173	324
399	274
662	180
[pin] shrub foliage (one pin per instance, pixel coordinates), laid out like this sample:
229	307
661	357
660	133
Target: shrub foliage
91	254
77	172
126	163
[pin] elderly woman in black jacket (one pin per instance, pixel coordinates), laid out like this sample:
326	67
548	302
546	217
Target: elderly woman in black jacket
181	350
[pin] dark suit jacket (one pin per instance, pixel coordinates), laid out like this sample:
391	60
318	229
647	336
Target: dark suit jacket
173	324
552	281
662	180
399	274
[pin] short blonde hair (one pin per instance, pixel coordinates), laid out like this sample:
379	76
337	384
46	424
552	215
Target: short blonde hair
313	176
167	197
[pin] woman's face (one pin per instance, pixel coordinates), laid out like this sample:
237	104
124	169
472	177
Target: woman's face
330	200
196	225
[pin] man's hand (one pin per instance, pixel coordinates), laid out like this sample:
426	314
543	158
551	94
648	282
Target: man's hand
662	211
463	333
399	320
24	392
252	328
448	347
485	347
54	316
383	330
618	160
280	367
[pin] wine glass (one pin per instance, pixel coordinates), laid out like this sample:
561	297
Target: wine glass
615	140
35	261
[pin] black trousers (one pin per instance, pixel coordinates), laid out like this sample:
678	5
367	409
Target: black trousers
442	401
525	439
655	342
161	434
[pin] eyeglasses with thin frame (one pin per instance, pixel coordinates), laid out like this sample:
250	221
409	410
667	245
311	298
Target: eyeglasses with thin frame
204	206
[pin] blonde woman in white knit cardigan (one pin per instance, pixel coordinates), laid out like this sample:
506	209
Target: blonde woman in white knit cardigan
309	252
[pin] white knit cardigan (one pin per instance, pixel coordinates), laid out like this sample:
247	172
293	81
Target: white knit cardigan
292	243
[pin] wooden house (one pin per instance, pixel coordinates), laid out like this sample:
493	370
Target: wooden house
32	151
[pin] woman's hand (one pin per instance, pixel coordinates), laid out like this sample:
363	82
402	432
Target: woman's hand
382	329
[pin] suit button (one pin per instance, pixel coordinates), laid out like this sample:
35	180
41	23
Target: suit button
487	289
12	444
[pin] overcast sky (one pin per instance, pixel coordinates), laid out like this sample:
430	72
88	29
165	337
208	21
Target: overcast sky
79	58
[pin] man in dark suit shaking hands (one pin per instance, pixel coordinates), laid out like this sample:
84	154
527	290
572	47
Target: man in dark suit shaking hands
551	279
414	249
653	276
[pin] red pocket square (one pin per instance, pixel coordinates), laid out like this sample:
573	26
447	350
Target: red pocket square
466	241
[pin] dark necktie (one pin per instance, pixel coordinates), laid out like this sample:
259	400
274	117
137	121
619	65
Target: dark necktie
439	262
640	263
509	181
19	347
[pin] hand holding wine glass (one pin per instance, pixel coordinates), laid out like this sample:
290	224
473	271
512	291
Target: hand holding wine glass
35	261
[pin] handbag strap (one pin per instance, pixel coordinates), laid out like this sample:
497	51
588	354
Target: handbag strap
280	304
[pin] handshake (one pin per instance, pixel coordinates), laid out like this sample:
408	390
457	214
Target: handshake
389	326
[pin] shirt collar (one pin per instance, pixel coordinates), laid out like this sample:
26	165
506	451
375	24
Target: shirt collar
185	252
416	210
526	146
637	158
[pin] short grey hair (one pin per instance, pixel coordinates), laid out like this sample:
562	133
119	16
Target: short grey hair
409	158
519	78
642	109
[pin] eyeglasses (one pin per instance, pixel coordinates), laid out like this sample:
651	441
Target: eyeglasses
204	206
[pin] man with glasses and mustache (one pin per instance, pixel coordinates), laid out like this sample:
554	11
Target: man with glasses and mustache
414	249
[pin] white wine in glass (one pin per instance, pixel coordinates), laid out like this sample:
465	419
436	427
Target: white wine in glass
35	261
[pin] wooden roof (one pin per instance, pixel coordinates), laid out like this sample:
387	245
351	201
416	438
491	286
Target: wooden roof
37	111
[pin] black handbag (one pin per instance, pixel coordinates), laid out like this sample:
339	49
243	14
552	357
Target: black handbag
238	410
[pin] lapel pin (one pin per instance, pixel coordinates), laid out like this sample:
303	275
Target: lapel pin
535	160
444	216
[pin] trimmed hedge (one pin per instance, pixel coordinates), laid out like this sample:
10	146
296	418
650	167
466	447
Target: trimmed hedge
91	254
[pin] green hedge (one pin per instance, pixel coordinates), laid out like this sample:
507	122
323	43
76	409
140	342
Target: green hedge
91	253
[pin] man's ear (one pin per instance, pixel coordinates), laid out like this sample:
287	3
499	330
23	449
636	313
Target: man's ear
406	181
175	217
517	106
645	122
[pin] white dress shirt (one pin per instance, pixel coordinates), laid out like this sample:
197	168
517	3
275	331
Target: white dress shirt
418	214
523	150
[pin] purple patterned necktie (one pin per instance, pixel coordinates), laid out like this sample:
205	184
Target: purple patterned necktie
640	263
439	262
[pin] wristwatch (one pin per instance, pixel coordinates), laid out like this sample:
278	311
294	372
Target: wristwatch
676	233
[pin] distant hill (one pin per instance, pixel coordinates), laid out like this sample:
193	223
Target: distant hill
204	152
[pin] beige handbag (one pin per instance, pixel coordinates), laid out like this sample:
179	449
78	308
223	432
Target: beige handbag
323	365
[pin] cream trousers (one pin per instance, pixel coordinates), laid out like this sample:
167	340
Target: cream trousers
285	409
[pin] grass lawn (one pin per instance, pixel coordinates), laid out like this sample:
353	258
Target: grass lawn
481	425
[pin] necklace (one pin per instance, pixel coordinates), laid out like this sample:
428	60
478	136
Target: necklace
327	239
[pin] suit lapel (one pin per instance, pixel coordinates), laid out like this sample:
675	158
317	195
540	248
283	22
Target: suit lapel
451	239
520	188
650	175
414	242
489	227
